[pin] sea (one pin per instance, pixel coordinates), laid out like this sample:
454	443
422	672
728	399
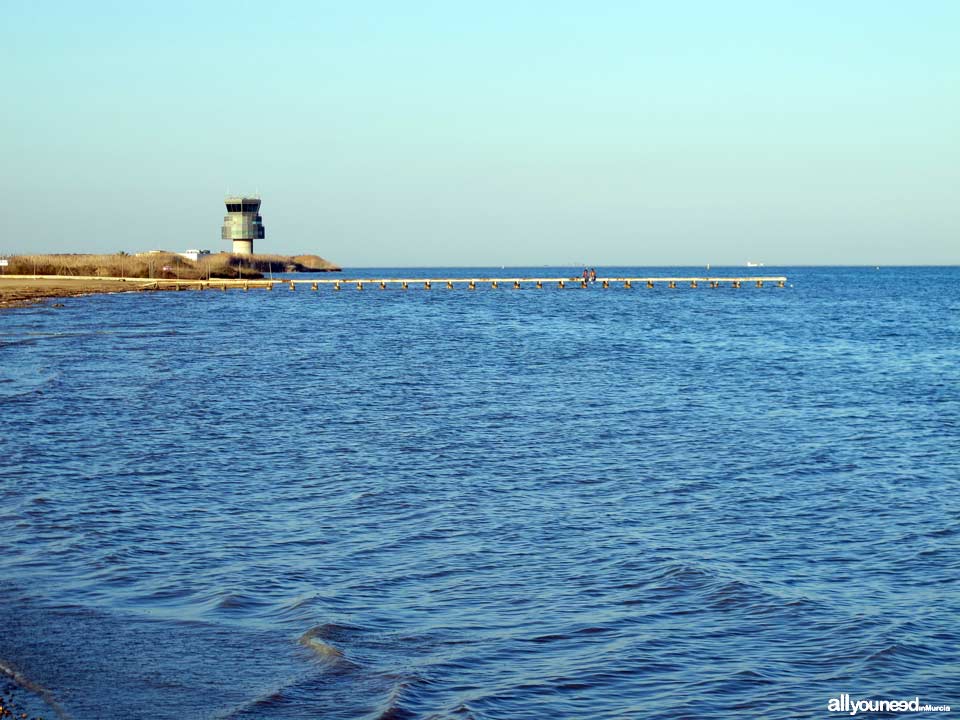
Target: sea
490	504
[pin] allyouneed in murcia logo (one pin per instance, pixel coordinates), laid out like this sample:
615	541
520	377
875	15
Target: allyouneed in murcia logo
845	704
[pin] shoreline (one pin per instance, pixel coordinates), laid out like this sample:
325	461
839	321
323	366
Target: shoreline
24	290
22	698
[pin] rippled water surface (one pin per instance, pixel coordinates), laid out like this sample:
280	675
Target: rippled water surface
491	504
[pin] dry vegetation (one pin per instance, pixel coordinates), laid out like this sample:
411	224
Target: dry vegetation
165	265
277	263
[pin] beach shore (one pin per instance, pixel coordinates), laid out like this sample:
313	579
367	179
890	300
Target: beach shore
16	290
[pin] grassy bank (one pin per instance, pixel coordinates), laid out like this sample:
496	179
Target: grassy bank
166	265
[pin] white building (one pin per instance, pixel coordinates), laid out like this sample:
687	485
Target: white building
193	254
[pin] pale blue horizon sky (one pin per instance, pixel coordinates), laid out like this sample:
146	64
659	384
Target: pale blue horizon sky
495	133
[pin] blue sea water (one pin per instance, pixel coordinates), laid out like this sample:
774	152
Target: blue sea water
493	504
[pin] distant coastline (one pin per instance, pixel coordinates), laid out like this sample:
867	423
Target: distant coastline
29	279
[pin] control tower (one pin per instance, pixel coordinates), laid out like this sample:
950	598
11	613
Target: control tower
242	224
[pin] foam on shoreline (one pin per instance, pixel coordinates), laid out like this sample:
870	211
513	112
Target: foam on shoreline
39	693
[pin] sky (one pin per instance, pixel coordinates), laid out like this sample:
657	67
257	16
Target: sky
487	133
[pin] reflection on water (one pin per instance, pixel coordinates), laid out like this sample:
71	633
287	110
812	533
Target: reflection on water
490	504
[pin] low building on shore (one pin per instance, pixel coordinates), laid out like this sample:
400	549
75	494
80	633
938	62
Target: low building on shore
194	254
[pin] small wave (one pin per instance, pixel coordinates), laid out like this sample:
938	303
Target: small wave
681	577
333	631
316	638
900	655
20	387
334	682
237	601
323	650
755	676
45	695
395	712
889	651
554	637
16	343
719	591
297	603
393	709
549	638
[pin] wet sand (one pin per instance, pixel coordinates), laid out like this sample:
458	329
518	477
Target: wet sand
20	290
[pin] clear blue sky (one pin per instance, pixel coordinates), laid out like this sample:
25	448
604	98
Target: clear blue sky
506	133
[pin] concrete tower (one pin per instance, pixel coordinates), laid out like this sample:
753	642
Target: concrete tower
242	224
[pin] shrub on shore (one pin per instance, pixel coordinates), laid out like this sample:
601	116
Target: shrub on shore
230	265
154	265
164	265
273	263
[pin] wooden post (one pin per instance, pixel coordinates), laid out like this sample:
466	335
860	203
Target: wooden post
516	283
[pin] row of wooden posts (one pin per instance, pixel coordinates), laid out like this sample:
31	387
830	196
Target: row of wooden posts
495	283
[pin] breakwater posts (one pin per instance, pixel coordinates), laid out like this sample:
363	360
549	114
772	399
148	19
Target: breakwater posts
91	284
537	283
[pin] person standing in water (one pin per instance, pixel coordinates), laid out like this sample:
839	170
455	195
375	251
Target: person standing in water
593	275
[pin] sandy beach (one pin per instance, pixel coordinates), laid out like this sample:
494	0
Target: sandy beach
24	290
19	290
